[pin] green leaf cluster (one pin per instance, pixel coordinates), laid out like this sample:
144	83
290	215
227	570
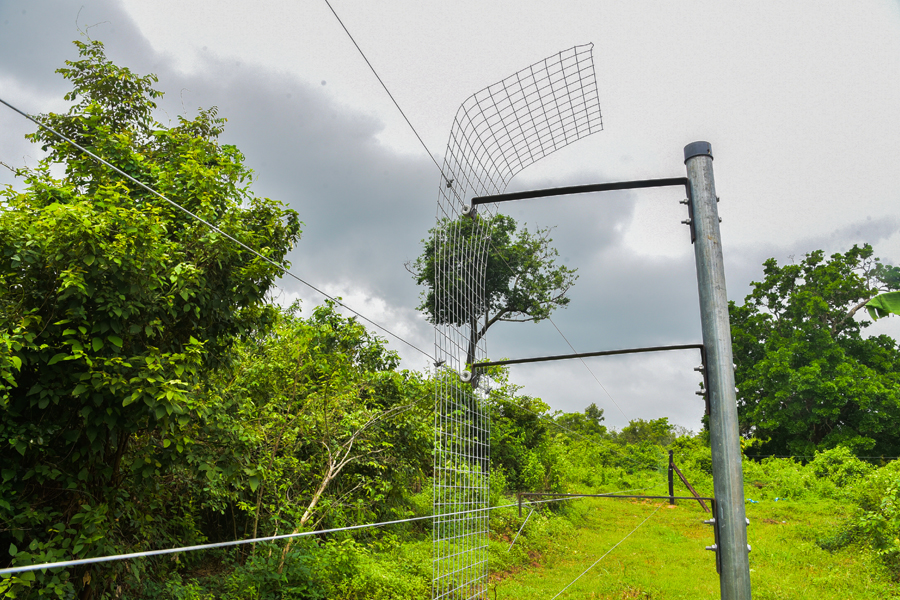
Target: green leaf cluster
113	304
521	279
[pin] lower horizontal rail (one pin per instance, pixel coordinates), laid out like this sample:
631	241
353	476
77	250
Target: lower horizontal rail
544	494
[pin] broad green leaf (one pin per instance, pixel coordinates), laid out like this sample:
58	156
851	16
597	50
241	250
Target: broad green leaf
57	357
97	344
115	340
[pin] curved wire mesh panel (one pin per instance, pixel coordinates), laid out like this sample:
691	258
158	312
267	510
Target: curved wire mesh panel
496	133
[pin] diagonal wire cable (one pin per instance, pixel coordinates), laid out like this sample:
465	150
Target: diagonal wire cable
512	543
607	552
587	367
281	267
374	72
408	122
115	557
503	258
98	559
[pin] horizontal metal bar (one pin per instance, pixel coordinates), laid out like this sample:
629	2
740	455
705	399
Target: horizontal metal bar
517	361
583	189
535	494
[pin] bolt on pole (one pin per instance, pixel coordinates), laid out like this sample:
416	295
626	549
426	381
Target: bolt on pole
728	477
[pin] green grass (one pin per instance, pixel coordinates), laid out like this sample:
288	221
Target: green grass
665	558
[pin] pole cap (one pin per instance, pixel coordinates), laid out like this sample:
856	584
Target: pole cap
697	149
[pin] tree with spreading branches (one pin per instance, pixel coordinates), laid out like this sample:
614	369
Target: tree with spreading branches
114	306
522	281
807	378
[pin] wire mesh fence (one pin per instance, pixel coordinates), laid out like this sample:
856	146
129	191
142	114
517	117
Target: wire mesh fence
496	133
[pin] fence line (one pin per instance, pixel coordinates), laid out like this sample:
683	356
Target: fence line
148	553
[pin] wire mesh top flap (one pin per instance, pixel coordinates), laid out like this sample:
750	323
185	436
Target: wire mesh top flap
509	125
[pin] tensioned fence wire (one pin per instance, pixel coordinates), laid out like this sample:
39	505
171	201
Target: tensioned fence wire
4	573
616	545
496	133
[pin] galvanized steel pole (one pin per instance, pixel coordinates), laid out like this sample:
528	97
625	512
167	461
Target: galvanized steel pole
728	477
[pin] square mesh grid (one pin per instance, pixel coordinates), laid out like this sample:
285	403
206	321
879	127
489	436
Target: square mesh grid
496	133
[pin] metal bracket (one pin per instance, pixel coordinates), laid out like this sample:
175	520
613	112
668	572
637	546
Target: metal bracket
715	547
690	220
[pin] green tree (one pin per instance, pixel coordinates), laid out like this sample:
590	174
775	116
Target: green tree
321	423
655	431
590	422
807	379
521	443
522	281
113	305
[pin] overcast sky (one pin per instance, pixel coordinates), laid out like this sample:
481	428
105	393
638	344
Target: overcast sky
799	100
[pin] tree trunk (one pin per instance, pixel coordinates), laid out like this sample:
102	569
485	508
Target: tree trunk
329	475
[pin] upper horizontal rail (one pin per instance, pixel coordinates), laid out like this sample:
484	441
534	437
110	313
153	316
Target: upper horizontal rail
584	189
516	361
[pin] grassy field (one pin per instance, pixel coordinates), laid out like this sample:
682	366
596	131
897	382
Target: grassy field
665	557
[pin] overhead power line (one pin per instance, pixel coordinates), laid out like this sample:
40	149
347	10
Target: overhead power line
378	77
281	267
431	156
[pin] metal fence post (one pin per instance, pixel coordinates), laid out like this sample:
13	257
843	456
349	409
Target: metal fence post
728	477
671	479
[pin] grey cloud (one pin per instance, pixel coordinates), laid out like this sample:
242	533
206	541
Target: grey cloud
36	40
366	208
39	36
